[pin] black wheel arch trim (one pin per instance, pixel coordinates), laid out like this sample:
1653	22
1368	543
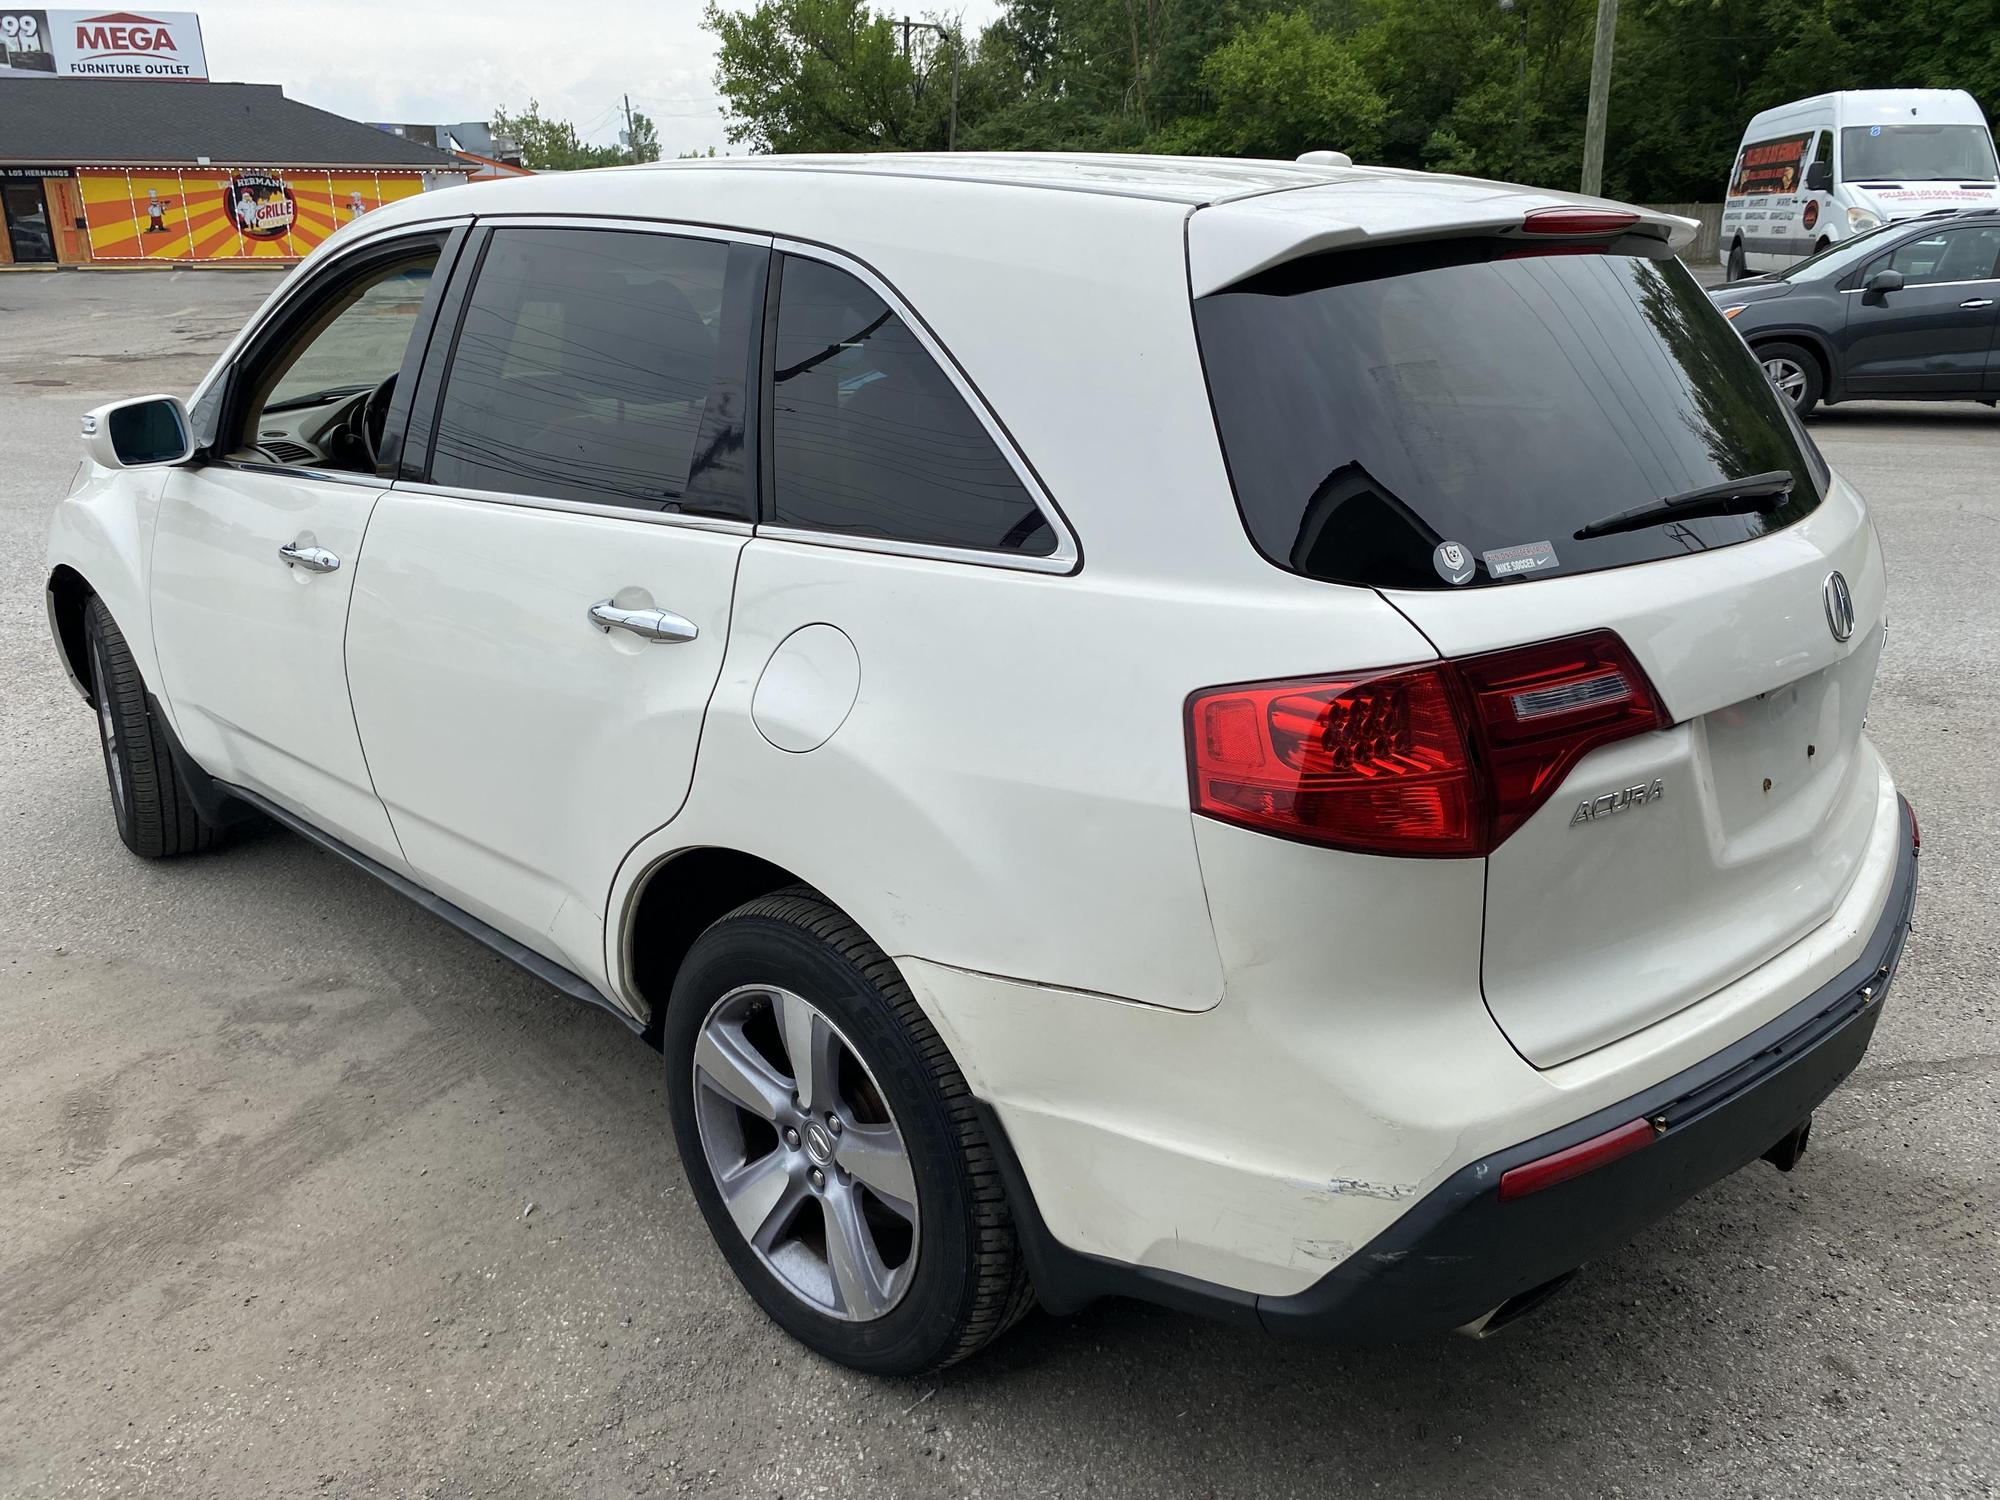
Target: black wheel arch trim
1458	1252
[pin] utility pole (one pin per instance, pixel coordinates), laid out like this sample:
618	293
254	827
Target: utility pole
631	145
951	135
1600	97
951	41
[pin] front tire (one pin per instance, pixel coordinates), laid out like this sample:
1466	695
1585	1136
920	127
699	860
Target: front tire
1738	267
156	817
1794	370
832	1143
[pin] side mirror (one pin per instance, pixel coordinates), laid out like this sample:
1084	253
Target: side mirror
1883	282
144	433
1819	177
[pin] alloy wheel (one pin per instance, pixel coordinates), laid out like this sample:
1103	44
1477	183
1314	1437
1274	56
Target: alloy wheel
805	1152
1788	377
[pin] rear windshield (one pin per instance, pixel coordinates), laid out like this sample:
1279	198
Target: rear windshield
1451	414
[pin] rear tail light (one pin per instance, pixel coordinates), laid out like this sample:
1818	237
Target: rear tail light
1446	759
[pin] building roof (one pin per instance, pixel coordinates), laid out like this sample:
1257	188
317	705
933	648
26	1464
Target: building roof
116	121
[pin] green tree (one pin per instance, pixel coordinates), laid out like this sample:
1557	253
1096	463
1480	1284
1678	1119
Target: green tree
550	145
645	142
1451	85
819	75
1282	86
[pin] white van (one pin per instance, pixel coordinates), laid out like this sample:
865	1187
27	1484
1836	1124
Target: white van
1811	173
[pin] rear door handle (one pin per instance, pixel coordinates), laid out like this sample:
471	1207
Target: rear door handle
312	559
647	624
1977	302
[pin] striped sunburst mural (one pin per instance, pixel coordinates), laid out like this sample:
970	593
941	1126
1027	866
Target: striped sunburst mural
222	213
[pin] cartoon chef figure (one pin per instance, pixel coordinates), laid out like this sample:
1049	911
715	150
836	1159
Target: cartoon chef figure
355	207
246	210
156	212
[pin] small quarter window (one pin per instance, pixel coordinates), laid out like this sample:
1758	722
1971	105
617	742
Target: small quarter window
871	437
583	366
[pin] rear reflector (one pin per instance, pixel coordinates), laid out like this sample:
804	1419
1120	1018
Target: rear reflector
1574	1161
1577	221
1446	759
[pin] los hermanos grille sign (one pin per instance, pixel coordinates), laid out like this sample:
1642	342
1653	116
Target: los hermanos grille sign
103	43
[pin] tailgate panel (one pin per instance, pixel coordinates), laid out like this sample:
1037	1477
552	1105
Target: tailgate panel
1596	927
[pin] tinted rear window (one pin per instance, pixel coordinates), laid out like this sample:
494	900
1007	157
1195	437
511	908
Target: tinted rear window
1376	405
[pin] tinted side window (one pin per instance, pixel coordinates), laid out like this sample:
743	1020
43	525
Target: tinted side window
1955	255
872	439
583	366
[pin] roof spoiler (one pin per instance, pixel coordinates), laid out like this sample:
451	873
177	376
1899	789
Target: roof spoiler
1234	240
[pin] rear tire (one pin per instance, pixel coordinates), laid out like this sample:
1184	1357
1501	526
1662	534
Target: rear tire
1738	267
1794	370
940	1276
156	817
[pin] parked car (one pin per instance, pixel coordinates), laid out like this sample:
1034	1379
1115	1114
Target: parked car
1905	313
1285	739
1814	172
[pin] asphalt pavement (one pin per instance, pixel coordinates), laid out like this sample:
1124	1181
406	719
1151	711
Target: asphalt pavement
303	1193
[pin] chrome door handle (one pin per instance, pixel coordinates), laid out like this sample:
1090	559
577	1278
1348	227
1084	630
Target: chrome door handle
312	559
647	624
1977	302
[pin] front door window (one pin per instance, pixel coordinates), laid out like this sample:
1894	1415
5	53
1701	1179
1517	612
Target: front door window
319	398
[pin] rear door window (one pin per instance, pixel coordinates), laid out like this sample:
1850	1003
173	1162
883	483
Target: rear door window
583	366
1377	407
870	438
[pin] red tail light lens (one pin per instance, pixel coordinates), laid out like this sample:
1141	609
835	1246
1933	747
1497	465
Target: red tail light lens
1445	759
1376	763
1577	221
1542	708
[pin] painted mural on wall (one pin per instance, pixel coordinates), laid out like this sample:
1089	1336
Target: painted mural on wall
227	213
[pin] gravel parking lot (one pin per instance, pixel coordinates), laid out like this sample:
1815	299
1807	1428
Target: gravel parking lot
269	1137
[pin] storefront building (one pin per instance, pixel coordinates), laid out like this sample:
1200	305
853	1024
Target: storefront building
117	171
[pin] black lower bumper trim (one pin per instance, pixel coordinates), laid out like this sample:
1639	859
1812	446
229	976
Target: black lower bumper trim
1460	1252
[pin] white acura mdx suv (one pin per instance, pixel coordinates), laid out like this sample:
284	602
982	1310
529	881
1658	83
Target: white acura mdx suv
1280	738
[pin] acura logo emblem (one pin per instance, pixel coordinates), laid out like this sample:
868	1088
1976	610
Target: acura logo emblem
1839	606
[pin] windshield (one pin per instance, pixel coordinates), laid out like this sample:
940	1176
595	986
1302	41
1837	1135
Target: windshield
1452	414
1916	153
1837	258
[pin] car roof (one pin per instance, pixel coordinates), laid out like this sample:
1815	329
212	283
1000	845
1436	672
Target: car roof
1235	217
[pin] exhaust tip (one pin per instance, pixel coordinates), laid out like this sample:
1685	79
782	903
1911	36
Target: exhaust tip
1785	1155
1514	1308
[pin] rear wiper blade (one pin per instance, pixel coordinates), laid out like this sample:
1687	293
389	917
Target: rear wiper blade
1733	497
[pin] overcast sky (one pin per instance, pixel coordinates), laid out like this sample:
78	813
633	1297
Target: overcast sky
429	63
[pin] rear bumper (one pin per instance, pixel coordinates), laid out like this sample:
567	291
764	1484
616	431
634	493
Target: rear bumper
1461	1252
